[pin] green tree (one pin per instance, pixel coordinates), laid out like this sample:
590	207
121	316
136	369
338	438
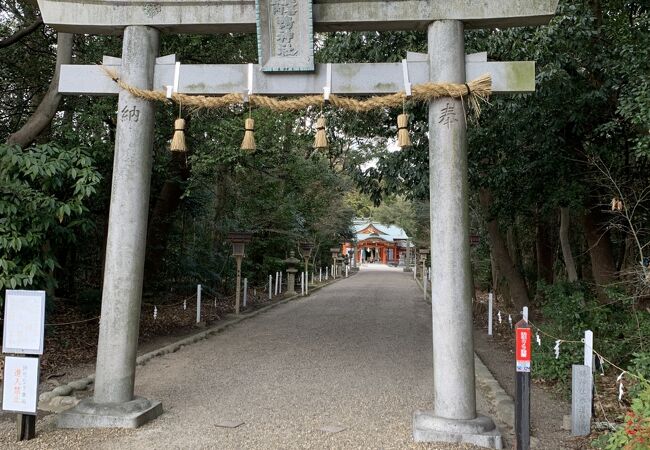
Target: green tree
45	190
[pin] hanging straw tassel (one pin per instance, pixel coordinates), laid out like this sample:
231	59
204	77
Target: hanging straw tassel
320	142
249	138
403	138
178	141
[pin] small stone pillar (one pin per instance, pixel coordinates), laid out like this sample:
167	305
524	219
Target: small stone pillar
291	263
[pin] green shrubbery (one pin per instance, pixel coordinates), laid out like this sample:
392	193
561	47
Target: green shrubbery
619	333
569	309
43	195
634	434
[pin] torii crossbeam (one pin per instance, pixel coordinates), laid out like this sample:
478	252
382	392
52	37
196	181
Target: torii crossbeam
346	79
285	30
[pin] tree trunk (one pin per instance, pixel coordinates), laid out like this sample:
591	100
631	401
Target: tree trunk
565	242
513	247
160	222
629	259
495	273
544	251
600	248
48	107
516	282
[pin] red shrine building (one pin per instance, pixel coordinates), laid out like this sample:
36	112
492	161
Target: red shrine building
377	243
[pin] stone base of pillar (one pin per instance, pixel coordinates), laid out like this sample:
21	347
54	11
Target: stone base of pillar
407	269
88	414
480	431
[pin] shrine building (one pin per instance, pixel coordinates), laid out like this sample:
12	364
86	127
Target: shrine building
377	243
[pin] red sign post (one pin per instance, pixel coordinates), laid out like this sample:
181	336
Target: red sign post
523	337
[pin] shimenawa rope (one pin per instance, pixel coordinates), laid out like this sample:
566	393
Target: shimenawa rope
475	91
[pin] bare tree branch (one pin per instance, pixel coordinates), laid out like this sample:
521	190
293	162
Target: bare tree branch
18	35
48	107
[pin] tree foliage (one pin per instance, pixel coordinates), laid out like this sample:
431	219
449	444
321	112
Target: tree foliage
45	190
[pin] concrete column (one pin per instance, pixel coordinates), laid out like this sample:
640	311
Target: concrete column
125	248
454	415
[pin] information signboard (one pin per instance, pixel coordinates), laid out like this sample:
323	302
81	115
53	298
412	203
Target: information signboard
523	336
20	389
24	322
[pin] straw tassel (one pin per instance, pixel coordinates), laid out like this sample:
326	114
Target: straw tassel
403	138
178	141
249	138
320	142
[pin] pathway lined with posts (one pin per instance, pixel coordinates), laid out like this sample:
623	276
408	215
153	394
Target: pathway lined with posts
343	368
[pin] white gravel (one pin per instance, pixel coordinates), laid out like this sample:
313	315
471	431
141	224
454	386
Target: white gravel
355	355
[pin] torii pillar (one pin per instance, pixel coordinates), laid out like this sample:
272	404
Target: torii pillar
114	403
454	416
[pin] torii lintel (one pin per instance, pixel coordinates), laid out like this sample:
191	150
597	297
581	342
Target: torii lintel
226	16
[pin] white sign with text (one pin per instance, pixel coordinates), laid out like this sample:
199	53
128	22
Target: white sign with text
20	390
24	322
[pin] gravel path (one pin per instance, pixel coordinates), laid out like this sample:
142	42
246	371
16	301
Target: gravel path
355	355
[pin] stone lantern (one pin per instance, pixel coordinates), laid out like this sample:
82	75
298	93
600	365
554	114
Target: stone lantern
305	250
355	256
239	241
407	267
292	262
424	253
400	242
335	253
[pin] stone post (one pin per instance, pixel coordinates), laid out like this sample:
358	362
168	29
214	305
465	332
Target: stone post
113	404
454	417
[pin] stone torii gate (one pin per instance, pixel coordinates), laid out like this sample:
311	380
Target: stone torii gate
285	36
